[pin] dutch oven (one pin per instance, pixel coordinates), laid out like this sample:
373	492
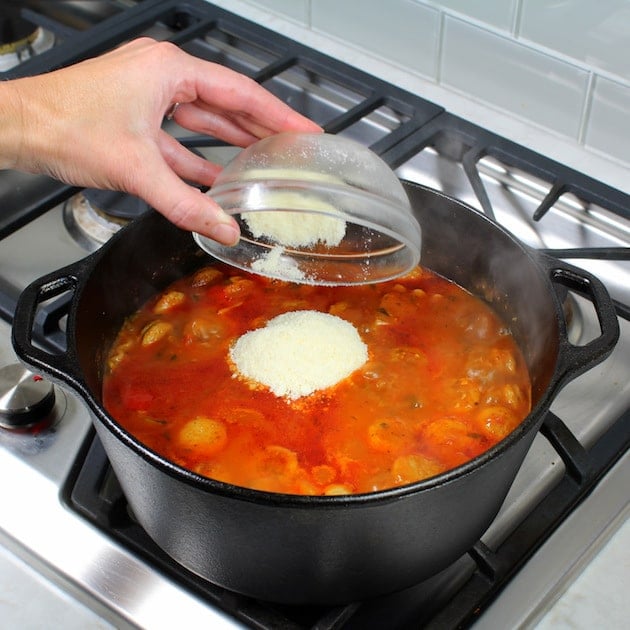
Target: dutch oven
318	549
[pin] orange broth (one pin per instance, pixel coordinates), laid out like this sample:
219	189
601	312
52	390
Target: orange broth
444	382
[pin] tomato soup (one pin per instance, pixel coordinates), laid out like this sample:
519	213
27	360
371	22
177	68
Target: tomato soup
443	382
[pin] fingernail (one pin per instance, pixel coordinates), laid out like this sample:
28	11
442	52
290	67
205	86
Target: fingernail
226	233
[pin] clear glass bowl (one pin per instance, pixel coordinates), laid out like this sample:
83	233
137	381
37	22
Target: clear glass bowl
317	209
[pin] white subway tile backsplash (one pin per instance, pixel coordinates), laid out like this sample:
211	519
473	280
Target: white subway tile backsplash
498	13
595	33
401	31
561	64
514	77
608	129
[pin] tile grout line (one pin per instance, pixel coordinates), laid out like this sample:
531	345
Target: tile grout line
587	106
517	19
439	53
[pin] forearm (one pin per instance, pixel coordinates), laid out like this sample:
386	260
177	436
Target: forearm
11	125
34	127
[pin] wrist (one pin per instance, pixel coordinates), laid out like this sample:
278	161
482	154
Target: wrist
29	125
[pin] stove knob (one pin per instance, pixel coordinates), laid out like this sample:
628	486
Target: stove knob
25	398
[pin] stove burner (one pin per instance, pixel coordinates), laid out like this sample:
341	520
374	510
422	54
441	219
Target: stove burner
93	216
14	52
26	399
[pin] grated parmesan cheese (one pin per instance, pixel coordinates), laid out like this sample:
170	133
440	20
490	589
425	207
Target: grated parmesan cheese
299	352
297	220
298	229
275	263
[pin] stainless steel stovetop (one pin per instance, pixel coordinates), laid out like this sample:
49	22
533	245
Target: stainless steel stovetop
582	478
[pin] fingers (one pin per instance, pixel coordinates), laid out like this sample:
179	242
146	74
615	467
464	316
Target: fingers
227	101
189	209
184	205
185	163
233	127
202	119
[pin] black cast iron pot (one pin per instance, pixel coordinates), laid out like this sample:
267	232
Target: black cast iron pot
321	549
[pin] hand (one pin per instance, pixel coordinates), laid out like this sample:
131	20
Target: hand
98	124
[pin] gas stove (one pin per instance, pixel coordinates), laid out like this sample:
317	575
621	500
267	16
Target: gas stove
68	518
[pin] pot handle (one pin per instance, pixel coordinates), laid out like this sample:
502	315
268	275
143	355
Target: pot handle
575	360
59	366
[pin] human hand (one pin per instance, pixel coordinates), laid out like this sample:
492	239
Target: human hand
98	124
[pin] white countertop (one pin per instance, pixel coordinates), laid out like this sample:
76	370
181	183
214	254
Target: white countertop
598	598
